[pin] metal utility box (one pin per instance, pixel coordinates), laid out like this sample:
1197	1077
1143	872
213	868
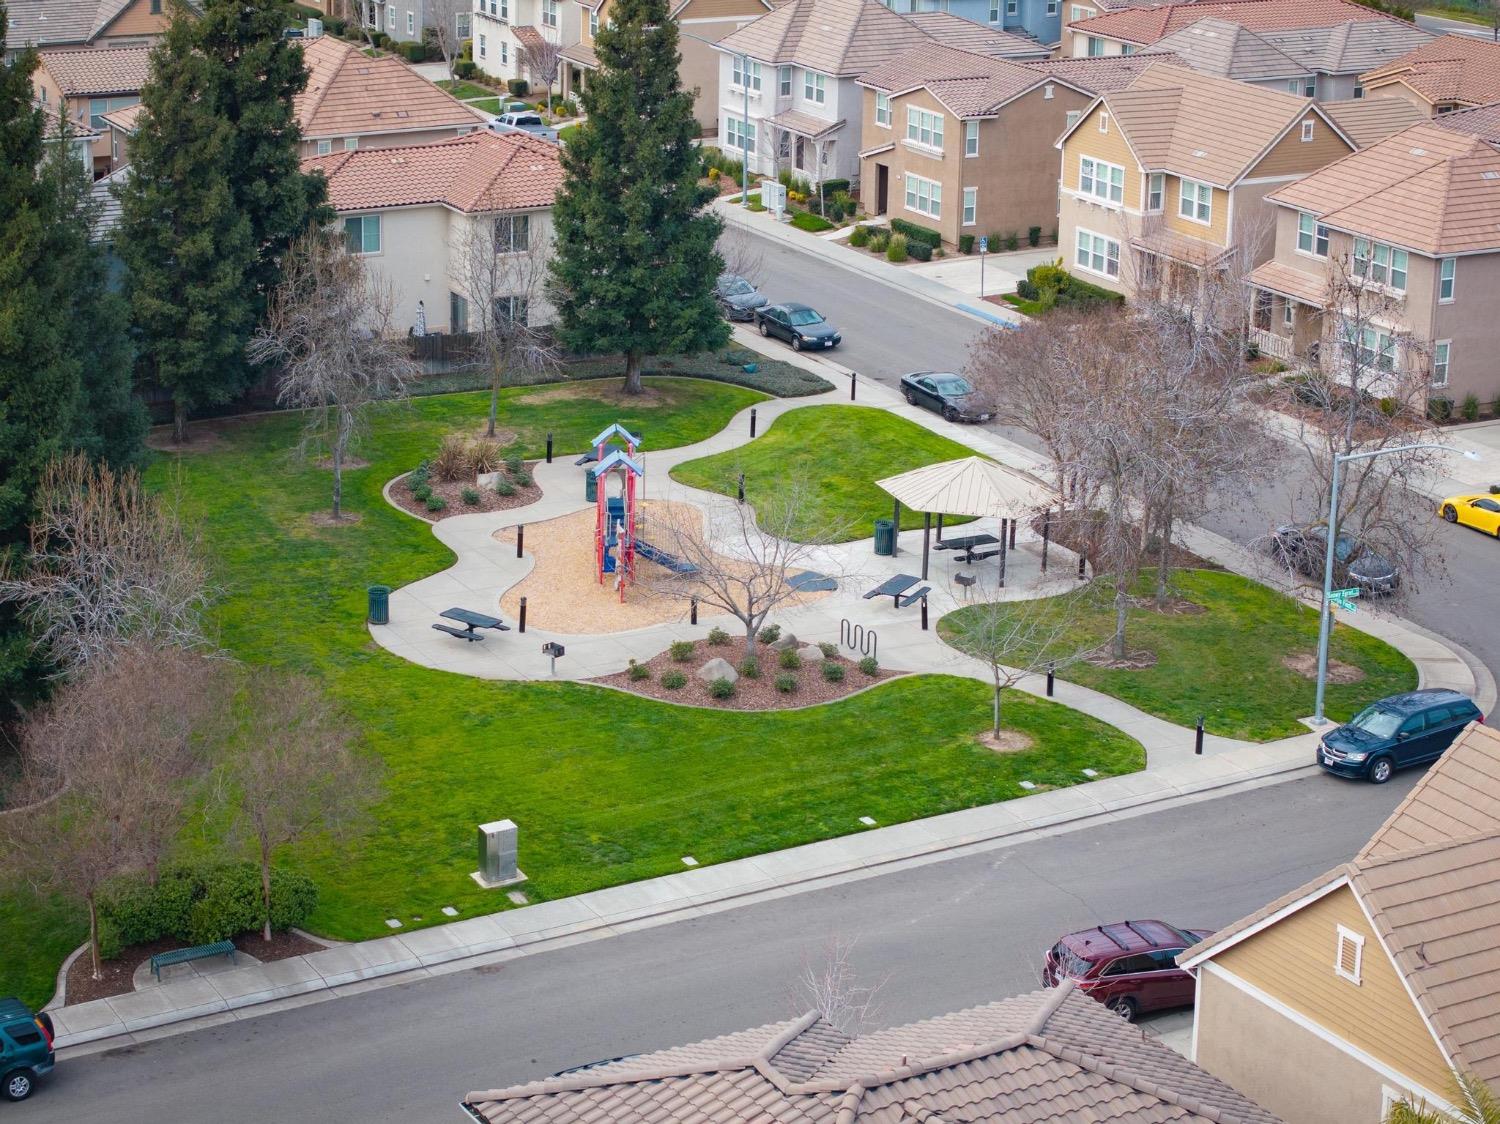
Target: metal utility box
497	855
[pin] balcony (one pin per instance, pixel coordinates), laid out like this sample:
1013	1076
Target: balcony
1269	343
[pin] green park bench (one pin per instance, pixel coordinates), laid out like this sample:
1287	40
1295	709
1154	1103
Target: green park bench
183	955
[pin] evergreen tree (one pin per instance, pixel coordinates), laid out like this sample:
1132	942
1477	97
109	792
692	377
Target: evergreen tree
635	264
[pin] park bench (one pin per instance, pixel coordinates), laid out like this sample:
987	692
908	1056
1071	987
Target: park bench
913	597
461	633
197	952
472	621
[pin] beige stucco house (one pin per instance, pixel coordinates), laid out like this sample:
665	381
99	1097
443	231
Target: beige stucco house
87	23
1454	72
87	83
1373	982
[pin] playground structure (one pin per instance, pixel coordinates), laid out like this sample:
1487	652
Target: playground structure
617	530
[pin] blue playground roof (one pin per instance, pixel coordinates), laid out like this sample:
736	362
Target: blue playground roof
617	458
616	430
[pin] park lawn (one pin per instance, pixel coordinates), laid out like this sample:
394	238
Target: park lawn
464	90
835	453
1225	662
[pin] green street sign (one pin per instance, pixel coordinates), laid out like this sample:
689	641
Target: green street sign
1343	599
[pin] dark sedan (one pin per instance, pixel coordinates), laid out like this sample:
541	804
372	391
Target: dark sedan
800	326
1302	549
738	298
951	395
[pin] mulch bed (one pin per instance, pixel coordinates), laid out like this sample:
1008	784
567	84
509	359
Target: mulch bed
452	491
119	973
749	694
1078	533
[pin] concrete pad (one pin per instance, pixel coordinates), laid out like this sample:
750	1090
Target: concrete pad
350	962
1057	806
261	983
166	1004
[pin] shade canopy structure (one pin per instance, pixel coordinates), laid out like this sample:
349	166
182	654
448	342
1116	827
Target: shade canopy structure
970	486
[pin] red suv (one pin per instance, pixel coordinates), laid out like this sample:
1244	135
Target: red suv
1130	966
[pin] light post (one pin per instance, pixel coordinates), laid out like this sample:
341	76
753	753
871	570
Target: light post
1325	615
744	60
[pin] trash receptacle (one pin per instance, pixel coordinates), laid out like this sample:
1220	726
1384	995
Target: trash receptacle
590	485
380	604
885	537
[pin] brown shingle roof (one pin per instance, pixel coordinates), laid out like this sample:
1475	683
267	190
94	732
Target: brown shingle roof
1368	121
481	172
838	37
1044	1057
971	85
349	94
1454	68
1102	74
97	71
1289	281
1147	25
955	31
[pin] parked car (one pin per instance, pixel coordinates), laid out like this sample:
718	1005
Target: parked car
738	298
1480	511
1129	966
1303	548
1409	729
523	123
799	325
25	1049
951	395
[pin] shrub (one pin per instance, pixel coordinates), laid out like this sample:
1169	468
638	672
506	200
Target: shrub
521	478
1033	236
484	455
452	461
920	251
750	667
839	206
1026	290
721	689
681	650
830	188
713	175
915	233
879	240
1470	409
1439	409
718	637
200	904
413	52
514	463
422	493
965	243
788	659
518	87
638	671
673	680
436	503
813	224
569	108
1012	241
770	634
859	236
869	666
503	486
833	672
786	684
896	251
466	69
419	475
470	496
830	651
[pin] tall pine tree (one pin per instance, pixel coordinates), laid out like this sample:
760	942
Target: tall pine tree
635	263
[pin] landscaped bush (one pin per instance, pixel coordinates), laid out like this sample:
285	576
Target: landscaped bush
880	240
638	671
965	243
919	251
813	224
681	650
673	680
915	233
470	496
840	206
788	659
1033	236
503	486
721	689
435	503
830	188
859	236
1439	409
896	250
1012	241
786	684
1051	285
800	184
869	666
770	634
750	667
422	492
484	456
518	87
413	52
833	672
1470	409
465	69
830	651
521	478
453	460
718	637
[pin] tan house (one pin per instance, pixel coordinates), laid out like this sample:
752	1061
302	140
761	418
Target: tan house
1051	1055
1168	177
1418	217
86	23
1373	982
1454	72
89	83
963	143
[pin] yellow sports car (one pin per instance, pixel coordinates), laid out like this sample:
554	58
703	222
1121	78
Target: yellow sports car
1479	511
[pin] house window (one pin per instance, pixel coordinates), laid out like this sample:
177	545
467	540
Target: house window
1048	92
411	24
156	7
1440	362
971	205
1098	254
1104	122
1096	46
1196	201
1156	189
1307	131
98	107
351	143
462	24
1359	91
549	13
1077	12
1052	7
739	134
1073	116
593	22
1286	313
512	233
1375	350
784	81
924	196
458	313
1349	956
390	18
362	234
1380	264
1103	181
1312	236
504	10
325	146
505	52
1447	269
1012	7
1294	85
925	128
746	74
814	87
971	138
883	110
994	11
494	9
510	311
1310	86
481	45
1127	48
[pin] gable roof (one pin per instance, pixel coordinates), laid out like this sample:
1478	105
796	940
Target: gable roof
124	119
1479	121
41	22
1026	1060
481	172
1428	188
97	71
1100	74
1454	68
1145	26
1349	47
955	31
1367	121
350	94
969	84
843	38
1225	49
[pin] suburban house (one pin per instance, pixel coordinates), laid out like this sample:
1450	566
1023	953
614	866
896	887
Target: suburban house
420	213
1454	72
119	127
85	23
1036	19
88	83
1417	215
81	138
962	142
1168	177
1049	1055
1374	981
504	29
403	20
1316	48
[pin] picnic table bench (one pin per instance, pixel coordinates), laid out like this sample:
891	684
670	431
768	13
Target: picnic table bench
197	952
893	588
969	545
472	621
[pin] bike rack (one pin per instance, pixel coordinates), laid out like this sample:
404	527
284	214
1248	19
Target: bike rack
857	638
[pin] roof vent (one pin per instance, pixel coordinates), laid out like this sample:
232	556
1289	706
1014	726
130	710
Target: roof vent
1419	152
1490	175
1199	152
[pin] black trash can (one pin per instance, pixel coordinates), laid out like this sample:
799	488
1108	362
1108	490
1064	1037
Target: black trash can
380	604
885	537
590	486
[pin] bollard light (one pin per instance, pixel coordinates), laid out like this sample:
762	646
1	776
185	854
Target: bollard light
520	539
549	448
522	625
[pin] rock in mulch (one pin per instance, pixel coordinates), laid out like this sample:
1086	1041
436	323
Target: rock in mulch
810	654
784	641
718	668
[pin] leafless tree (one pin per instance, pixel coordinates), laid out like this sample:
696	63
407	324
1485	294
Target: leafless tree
502	264
442	27
542	59
742	254
330	327
293	770
831	987
108	562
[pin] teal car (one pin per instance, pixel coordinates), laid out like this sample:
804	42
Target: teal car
25	1049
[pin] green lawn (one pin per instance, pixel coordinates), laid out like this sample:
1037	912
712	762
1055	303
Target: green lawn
836	453
606	788
480	97
1226	662
566	134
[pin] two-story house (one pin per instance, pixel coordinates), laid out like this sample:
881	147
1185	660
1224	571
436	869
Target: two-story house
962	142
418	212
86	23
1036	19
1453	72
503	30
1168	177
86	83
1417	217
1372	983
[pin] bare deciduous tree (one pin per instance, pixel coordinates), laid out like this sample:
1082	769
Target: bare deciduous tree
108	562
442	27
542	59
330	327
293	770
831	987
742	254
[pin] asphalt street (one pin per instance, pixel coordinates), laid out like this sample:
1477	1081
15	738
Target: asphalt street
1444	26
934	939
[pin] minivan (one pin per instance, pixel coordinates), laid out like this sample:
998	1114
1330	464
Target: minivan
1129	966
1409	729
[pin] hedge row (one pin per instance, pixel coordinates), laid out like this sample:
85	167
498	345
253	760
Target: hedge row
915	233
780	380
1054	287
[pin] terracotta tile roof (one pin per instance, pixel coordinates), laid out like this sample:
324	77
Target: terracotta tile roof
1481	121
1455	68
843	38
79	126
1430	189
971	85
1102	74
1147	25
125	119
42	22
529	37
1289	281
483	171
955	31
1044	1057
349	94
96	71
1225	49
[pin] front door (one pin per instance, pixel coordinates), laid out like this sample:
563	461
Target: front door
882	187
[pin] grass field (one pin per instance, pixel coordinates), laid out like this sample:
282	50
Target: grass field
1226	661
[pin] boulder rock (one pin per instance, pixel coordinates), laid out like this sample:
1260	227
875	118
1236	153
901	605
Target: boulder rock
784	641
718	668
811	654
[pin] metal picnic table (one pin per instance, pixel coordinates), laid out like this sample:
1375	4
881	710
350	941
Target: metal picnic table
471	622
967	544
894	587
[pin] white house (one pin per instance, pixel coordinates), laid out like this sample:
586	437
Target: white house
503	29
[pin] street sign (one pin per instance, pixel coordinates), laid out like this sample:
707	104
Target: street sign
1343	599
984	244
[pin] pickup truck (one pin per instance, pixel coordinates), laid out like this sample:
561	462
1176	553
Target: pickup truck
523	123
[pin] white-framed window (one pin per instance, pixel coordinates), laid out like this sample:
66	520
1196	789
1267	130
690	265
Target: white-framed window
746	74
814	86
1096	46
1073	116
1380	264
1310	86
1375	349
1104	122
1048	92
593	22
1078	12
924	196
924	127
512	233
505	52
504	10
98	107
1156	191
549	13
994	11
1440	351
740	135
1312	236
481	45
390	17
1349	955
458	312
1294	85
1127	48
1287	316
1103	181
1012	7
971	205
1307	131
462	24
411	23
1098	254
325	146
971	138
1195	201
351	143
1052	7
362	234
510	310
882	109
784	81
1359	91
1447	274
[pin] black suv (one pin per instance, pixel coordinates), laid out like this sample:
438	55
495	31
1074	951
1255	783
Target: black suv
1303	549
1409	729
